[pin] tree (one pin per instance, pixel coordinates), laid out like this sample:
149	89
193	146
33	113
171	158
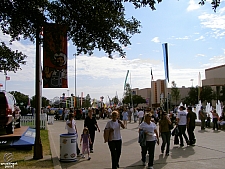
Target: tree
45	102
10	60
175	92
192	97
87	102
91	23
137	99
21	100
207	94
115	100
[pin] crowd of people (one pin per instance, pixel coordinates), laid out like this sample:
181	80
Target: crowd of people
153	124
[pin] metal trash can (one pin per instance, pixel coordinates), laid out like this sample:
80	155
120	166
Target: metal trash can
68	147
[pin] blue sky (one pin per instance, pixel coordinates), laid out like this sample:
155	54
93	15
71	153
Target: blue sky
195	35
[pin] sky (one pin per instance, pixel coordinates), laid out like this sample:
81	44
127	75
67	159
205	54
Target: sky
195	36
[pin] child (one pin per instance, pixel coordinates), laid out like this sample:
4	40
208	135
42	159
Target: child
85	139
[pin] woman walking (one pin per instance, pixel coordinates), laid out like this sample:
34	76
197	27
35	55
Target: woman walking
165	132
215	119
116	144
125	117
149	128
92	125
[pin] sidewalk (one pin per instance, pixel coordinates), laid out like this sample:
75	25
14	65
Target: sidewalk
208	153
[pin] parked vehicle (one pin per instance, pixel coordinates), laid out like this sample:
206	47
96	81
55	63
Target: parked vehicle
9	112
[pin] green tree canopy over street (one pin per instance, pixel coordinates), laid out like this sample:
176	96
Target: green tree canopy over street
91	23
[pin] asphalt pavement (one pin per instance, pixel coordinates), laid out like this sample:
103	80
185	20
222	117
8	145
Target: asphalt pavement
208	153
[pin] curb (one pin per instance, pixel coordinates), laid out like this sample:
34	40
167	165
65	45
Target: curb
55	159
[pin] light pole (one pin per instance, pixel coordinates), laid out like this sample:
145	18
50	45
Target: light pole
192	81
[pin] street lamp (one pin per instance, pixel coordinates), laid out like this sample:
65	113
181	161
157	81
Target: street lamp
192	81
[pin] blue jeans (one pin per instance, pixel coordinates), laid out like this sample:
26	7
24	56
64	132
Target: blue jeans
166	141
150	147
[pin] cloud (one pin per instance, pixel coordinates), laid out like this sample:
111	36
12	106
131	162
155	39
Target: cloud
200	38
193	5
156	40
215	21
200	55
184	38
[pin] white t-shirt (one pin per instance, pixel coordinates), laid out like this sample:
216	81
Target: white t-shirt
150	130
71	130
140	113
116	127
182	116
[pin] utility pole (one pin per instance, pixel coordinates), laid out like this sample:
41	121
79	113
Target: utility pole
38	152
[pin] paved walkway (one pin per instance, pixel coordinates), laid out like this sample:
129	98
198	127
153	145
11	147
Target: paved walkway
208	153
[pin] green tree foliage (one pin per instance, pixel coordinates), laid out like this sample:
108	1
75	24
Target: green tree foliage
115	100
207	94
129	97
87	101
175	92
192	97
91	23
44	103
21	99
137	99
10	60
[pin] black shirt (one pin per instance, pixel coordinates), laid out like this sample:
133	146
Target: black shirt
192	117
90	123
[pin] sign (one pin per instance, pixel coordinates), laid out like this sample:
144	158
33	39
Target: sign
55	56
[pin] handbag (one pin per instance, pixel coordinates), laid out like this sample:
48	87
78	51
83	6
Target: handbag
175	131
170	126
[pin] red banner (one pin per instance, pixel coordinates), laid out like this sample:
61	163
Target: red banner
55	56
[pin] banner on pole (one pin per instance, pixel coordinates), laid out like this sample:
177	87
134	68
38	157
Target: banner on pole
55	56
165	55
126	79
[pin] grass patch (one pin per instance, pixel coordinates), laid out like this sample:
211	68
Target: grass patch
24	158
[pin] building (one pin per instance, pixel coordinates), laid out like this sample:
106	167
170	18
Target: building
157	94
214	77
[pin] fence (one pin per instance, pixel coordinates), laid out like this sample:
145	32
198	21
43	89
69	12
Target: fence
30	121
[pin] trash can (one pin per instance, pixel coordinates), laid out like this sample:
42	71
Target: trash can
68	149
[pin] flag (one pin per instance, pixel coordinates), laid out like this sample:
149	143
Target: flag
199	85
165	55
151	74
7	78
126	79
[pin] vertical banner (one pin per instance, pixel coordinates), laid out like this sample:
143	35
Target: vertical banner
55	56
81	100
165	56
126	79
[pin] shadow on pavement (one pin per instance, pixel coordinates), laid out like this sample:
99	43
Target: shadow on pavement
182	152
136	165
130	142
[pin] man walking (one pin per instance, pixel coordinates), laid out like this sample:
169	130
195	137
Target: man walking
182	122
202	116
191	117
